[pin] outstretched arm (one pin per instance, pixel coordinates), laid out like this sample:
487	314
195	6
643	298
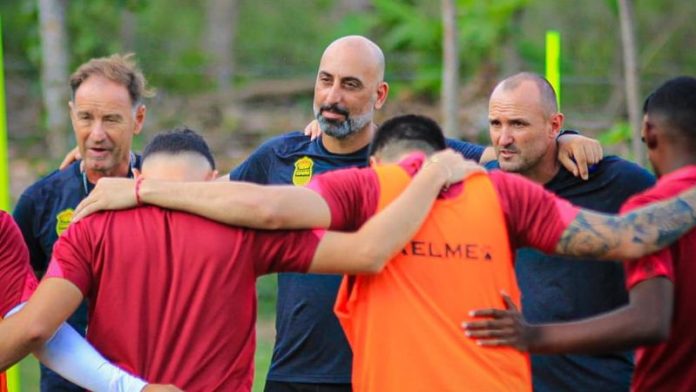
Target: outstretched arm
645	320
630	235
28	330
230	202
382	236
69	354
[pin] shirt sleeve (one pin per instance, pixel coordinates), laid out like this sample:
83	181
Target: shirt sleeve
284	250
653	265
468	150
351	194
17	281
26	216
535	217
71	258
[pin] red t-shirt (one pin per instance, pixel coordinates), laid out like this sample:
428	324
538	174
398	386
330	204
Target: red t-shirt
173	296
534	216
670	366
17	280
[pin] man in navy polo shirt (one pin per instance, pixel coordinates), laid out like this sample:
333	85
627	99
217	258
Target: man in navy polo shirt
311	351
524	123
106	110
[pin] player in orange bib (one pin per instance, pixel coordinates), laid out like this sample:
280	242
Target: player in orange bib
446	270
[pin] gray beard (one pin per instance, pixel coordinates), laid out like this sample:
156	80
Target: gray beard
342	129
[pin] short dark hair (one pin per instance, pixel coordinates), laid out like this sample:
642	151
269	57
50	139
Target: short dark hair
675	103
177	141
408	132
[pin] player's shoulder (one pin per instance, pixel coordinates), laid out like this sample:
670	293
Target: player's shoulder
55	182
613	162
625	173
285	144
669	185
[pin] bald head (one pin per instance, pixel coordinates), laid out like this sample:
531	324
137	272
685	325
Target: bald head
544	94
360	46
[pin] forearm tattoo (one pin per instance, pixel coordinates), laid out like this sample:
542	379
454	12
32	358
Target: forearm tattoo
632	234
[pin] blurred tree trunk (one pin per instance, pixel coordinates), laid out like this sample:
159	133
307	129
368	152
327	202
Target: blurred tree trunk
450	70
221	28
630	61
349	6
54	73
128	29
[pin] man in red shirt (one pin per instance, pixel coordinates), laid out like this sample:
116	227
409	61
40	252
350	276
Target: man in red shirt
530	215
66	352
172	295
660	316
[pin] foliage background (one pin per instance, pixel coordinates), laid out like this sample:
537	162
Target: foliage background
276	48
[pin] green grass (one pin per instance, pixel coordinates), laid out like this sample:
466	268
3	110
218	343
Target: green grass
266	287
29	374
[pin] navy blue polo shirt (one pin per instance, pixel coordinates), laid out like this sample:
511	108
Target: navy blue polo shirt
42	213
310	345
562	289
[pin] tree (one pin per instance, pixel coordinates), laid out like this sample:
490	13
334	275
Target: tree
54	73
221	27
450	69
630	62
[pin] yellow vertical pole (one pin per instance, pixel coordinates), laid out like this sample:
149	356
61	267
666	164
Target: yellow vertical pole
4	158
13	383
553	62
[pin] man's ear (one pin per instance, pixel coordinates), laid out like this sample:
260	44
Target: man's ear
374	161
650	139
140	113
213	175
382	93
556	123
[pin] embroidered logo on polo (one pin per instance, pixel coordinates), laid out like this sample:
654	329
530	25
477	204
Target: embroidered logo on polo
303	171
63	220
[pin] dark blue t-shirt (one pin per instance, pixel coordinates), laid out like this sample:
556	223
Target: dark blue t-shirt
310	345
43	212
561	289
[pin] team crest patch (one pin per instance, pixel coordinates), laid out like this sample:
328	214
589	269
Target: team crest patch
303	171
63	220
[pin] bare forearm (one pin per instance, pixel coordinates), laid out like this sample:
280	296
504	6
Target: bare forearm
369	249
242	204
388	231
632	234
614	331
17	341
645	320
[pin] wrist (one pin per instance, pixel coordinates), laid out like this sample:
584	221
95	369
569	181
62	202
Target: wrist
533	336
564	132
138	186
443	172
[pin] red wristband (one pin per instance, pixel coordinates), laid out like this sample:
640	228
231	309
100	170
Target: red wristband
137	191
